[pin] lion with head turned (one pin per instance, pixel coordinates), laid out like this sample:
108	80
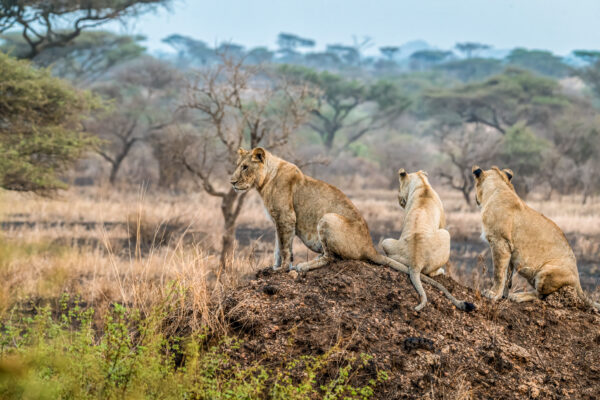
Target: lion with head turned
318	213
524	240
424	245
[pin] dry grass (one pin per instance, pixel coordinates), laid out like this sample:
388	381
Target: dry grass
88	242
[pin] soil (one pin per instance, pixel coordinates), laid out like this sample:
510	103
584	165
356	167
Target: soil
547	349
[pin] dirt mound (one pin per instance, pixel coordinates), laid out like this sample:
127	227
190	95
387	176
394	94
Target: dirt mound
542	349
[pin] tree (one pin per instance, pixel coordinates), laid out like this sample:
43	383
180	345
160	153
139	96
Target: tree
289	44
590	56
523	152
195	51
500	101
472	69
55	23
424	59
540	61
347	54
83	60
590	73
469	48
463	145
259	55
576	138
40	131
143	96
236	106
341	100
389	52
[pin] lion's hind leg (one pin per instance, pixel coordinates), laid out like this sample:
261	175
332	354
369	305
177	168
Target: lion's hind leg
524	296
332	230
548	280
396	250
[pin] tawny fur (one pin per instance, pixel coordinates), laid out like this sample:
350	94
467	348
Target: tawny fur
318	213
524	240
424	245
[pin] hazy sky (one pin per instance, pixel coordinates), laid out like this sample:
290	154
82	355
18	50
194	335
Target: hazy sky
558	25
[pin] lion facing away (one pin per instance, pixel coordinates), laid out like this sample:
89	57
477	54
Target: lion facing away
424	245
318	213
524	240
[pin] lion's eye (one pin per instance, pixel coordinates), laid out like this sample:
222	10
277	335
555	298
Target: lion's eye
245	167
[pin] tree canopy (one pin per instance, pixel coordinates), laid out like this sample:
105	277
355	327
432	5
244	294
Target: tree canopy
340	102
40	134
470	48
541	61
54	23
500	101
85	58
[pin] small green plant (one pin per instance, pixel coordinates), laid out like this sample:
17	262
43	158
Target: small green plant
64	355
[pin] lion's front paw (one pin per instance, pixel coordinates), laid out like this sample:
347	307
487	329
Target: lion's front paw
491	295
300	267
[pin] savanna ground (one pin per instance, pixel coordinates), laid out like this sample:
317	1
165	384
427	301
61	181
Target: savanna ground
119	294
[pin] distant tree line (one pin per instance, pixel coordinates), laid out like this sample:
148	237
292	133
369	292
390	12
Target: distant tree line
97	100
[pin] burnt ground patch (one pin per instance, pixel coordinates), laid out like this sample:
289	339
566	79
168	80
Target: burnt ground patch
503	350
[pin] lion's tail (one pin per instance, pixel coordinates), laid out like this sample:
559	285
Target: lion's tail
383	260
584	297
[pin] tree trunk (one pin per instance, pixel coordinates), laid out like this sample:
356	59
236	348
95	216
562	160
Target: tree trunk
231	205
585	196
118	160
114	170
466	194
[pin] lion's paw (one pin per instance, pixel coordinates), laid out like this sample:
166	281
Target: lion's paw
490	295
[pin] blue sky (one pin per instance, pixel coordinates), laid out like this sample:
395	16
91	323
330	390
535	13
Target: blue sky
557	25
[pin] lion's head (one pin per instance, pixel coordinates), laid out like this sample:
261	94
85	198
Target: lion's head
486	181
408	183
250	169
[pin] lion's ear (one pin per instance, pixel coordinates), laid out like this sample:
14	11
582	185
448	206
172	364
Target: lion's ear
402	173
476	171
258	154
242	152
424	173
509	173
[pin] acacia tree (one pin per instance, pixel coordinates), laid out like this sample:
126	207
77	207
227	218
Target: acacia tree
591	72
576	140
541	61
83	60
500	101
424	59
40	131
54	23
341	99
237	106
470	48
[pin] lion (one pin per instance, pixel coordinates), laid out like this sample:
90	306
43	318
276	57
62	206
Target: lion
524	240
318	213
424	245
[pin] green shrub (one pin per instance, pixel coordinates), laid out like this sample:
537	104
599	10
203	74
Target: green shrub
67	357
40	133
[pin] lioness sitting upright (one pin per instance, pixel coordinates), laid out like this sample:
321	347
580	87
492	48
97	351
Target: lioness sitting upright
320	214
424	245
523	239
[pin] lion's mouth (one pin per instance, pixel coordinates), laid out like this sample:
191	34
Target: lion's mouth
240	189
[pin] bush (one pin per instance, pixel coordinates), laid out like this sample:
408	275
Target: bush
129	358
40	131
